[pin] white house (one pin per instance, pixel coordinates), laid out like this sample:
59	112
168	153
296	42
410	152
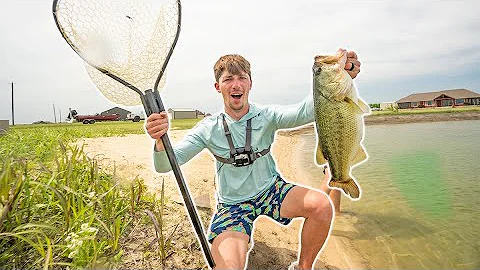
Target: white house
387	105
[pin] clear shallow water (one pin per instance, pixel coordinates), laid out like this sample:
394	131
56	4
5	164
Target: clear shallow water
421	195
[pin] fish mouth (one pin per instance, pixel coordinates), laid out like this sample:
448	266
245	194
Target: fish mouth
326	59
236	96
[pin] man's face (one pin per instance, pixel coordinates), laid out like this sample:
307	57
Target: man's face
235	90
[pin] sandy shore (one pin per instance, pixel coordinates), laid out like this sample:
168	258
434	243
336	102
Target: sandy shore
275	246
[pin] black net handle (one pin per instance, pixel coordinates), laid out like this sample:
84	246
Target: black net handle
155	104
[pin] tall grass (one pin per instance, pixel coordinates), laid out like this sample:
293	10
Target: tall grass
69	214
58	208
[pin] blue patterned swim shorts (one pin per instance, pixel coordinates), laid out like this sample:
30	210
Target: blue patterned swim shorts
240	217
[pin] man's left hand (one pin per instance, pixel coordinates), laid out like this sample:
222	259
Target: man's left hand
352	60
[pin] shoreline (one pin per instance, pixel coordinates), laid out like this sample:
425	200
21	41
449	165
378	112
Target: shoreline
339	251
420	117
275	246
371	120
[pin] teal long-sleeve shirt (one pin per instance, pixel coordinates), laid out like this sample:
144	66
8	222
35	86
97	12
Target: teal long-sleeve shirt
239	184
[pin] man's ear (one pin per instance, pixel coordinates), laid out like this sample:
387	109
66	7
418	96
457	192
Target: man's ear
217	86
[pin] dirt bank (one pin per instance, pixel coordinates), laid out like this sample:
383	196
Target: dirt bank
418	118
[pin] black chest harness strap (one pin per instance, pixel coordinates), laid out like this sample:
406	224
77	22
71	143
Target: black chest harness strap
241	156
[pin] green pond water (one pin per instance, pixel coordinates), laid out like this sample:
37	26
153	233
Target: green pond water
421	193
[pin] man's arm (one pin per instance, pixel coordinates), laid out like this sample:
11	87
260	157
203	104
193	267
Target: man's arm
302	113
294	115
156	126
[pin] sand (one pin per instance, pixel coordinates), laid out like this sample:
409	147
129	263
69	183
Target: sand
274	246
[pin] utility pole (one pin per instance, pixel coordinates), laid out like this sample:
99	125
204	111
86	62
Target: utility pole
13	110
54	114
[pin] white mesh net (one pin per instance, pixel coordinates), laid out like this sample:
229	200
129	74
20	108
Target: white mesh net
128	38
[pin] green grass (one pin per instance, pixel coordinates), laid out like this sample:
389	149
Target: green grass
79	130
428	110
184	123
58	208
105	129
41	141
65	213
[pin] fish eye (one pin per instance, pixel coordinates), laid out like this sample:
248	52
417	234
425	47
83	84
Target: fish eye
316	69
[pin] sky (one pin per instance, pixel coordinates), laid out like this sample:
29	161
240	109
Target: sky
405	47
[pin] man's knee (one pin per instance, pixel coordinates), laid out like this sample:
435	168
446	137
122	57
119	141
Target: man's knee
320	206
229	250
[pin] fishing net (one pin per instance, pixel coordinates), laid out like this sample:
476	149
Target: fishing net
128	39
126	45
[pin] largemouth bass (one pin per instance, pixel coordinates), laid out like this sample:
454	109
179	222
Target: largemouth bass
339	122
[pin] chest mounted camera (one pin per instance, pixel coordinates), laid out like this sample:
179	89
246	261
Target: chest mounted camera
241	156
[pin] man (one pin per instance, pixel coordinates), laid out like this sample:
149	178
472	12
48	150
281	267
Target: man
248	182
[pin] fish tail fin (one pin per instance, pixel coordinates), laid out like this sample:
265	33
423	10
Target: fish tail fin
349	187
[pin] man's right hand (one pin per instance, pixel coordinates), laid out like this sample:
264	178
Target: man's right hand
156	126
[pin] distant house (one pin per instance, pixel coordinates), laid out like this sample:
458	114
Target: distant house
444	98
182	113
117	110
388	105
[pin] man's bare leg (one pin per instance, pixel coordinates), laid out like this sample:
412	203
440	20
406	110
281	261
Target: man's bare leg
334	194
229	250
317	210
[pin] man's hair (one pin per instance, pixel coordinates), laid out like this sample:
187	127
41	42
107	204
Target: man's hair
233	63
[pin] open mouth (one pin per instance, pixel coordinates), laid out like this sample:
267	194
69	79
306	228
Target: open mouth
236	96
